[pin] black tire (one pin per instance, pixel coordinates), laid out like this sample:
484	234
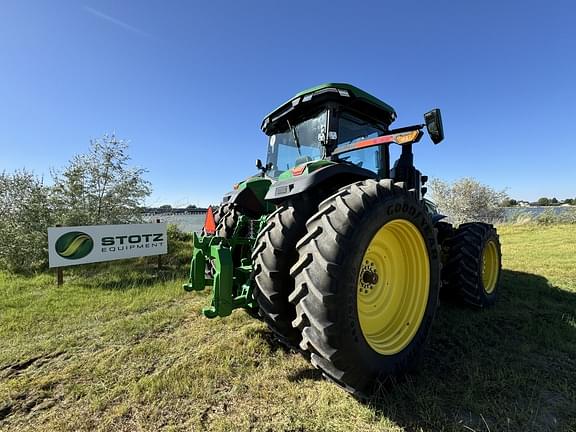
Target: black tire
327	272
227	216
463	273
444	232
273	255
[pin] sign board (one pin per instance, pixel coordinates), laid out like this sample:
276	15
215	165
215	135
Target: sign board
69	246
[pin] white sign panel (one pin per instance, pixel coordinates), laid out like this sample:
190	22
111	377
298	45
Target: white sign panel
69	246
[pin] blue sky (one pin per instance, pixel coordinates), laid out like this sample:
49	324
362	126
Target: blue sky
188	83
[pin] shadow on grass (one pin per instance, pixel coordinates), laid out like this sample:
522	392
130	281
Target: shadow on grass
511	367
273	342
305	375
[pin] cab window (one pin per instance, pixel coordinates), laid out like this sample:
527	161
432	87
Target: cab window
352	129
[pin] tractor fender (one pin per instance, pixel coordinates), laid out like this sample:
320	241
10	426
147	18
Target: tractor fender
248	196
437	217
334	175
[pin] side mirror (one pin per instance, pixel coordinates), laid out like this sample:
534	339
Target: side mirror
434	126
263	168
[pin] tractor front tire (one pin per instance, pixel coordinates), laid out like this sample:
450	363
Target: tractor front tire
366	284
474	265
274	253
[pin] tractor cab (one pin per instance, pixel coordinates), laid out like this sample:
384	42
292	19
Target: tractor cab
347	130
315	122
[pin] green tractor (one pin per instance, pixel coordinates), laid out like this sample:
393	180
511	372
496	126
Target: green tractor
336	249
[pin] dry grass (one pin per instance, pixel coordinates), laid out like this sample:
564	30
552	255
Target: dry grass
127	349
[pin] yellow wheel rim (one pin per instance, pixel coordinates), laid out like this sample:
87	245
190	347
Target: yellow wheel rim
392	287
490	267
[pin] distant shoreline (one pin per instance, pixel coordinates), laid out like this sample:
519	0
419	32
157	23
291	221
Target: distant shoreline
540	207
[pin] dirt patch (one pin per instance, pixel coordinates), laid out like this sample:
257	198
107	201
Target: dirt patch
10	370
28	404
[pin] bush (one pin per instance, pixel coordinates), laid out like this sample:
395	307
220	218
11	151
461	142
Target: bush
99	187
25	215
468	200
176	234
509	202
547	217
550	217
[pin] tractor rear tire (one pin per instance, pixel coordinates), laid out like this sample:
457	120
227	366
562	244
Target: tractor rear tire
226	219
366	284
474	265
273	256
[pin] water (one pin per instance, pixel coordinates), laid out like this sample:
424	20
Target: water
186	223
511	213
189	223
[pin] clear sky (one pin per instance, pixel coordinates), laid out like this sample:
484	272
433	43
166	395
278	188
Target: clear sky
188	83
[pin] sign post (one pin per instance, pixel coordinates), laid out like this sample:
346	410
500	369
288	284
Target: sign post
59	272
159	256
77	245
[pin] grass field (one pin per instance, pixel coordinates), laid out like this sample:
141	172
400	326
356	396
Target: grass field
124	348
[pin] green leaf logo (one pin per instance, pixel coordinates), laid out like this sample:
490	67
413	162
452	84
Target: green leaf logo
74	245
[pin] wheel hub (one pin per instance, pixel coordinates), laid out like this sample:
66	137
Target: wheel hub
369	276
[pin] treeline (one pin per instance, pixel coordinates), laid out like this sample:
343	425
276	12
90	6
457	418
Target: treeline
467	200
542	202
167	208
98	187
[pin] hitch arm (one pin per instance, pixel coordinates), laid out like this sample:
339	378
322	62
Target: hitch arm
231	286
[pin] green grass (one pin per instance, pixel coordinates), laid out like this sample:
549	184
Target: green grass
127	349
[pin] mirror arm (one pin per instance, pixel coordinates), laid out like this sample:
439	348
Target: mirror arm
406	129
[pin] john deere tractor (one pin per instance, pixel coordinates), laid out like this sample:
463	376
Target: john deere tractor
337	249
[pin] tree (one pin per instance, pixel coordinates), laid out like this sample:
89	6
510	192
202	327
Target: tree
99	187
468	200
543	201
25	215
508	202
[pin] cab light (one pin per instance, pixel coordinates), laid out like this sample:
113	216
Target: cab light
406	137
298	170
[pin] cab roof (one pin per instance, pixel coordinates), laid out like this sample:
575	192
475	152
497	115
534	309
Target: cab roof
313	98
